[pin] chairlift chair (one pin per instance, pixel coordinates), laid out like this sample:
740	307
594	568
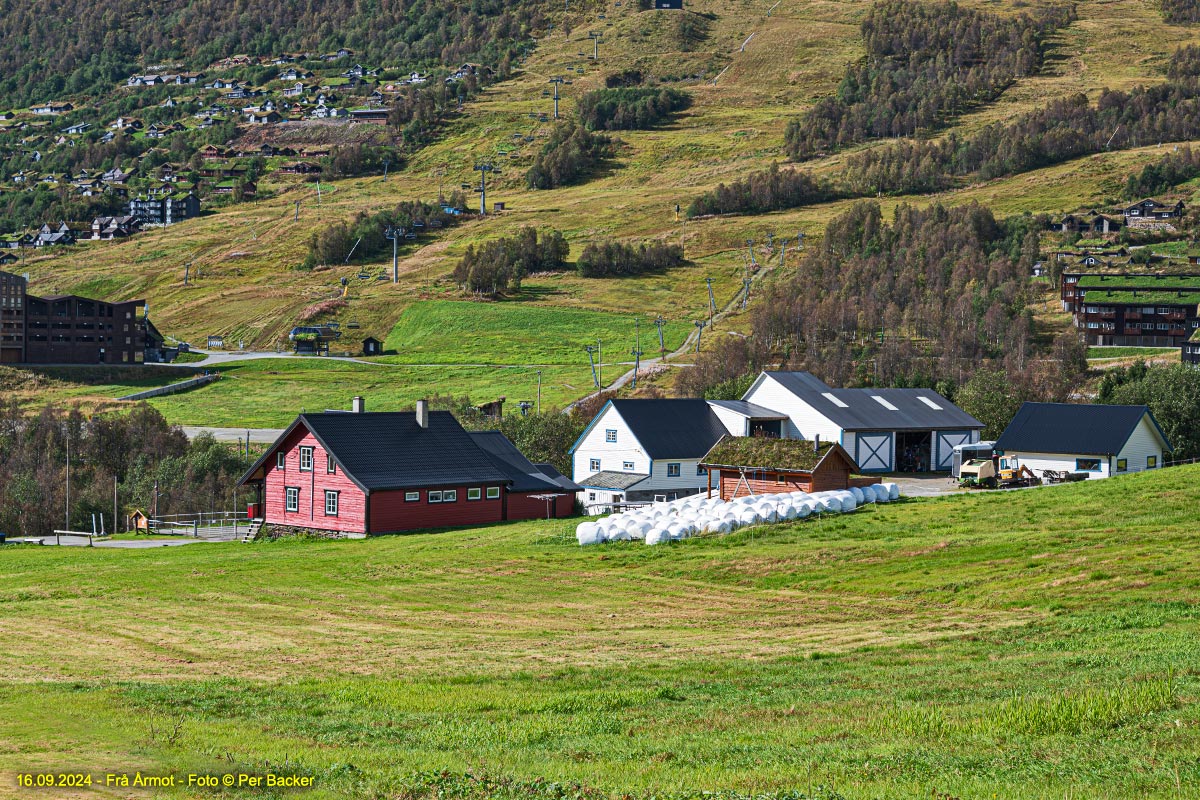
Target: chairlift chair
363	276
410	236
418	224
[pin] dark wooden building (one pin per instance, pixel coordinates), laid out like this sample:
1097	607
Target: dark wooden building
743	465
67	329
372	346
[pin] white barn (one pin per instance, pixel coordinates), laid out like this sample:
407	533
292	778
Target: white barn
883	430
1100	440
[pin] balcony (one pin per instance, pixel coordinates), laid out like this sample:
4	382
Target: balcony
1177	332
1108	315
1175	315
1132	315
1133	331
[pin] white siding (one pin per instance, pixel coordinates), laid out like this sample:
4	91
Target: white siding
1143	442
612	455
688	479
1059	462
734	422
804	421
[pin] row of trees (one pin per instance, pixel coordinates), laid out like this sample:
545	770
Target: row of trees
925	64
363	238
629	108
1180	12
1065	129
1163	175
499	265
571	154
772	189
931	296
150	461
616	259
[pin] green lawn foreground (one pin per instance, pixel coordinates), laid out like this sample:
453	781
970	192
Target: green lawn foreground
1027	644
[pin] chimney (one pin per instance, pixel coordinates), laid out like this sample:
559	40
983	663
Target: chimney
817	443
423	413
358	405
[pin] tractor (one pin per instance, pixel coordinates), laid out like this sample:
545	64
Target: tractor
997	472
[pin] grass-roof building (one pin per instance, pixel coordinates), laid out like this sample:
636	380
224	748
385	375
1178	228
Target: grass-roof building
752	465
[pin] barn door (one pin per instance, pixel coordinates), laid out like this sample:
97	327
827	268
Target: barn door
946	442
873	451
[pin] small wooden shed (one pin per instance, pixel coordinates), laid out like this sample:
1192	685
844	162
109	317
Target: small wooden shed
745	465
372	346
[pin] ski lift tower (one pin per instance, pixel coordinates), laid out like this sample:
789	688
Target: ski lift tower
483	169
395	234
557	80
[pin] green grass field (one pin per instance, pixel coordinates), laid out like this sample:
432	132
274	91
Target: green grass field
1130	352
269	393
441	332
1028	644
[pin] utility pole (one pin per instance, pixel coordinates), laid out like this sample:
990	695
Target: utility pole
699	332
637	349
116	527
483	169
599	364
297	217
187	272
556	80
712	301
659	322
591	349
67	513
539	391
395	234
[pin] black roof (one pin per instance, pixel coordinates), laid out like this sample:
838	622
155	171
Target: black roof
878	409
551	471
672	428
523	474
1073	428
389	450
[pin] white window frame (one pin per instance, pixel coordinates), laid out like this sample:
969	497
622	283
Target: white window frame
594	464
475	494
434	496
412	497
450	495
330	494
281	460
627	466
306	456
610	435
673	470
291	499
493	493
330	465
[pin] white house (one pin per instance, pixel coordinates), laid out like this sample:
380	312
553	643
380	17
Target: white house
883	430
1097	439
645	450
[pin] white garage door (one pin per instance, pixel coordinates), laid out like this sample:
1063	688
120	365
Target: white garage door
873	451
946	442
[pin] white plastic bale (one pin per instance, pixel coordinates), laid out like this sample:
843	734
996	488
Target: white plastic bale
858	495
656	536
893	491
881	494
830	505
803	510
587	533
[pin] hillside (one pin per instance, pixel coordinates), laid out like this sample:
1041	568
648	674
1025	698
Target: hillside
1027	644
743	93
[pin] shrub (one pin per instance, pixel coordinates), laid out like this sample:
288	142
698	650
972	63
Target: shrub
500	264
629	108
571	153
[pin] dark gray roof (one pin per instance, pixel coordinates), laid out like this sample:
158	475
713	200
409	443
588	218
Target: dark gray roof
747	409
799	381
859	410
389	450
1073	428
672	428
550	471
613	480
524	475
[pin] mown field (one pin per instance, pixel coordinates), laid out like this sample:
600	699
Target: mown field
1033	644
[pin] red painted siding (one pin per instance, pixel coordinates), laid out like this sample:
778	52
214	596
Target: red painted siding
523	505
390	512
732	484
351	517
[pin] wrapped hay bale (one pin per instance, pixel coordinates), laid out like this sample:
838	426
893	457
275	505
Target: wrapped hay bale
893	490
588	533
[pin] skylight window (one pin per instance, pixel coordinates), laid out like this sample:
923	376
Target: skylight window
884	403
929	403
831	398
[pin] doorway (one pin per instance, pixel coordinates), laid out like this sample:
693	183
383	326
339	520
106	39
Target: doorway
914	451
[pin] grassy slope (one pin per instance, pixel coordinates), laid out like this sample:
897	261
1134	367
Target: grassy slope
1016	644
247	289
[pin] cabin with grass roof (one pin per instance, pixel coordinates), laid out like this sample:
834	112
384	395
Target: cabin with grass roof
738	466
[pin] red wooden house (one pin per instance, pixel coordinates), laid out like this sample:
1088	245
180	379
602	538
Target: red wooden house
744	465
355	474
